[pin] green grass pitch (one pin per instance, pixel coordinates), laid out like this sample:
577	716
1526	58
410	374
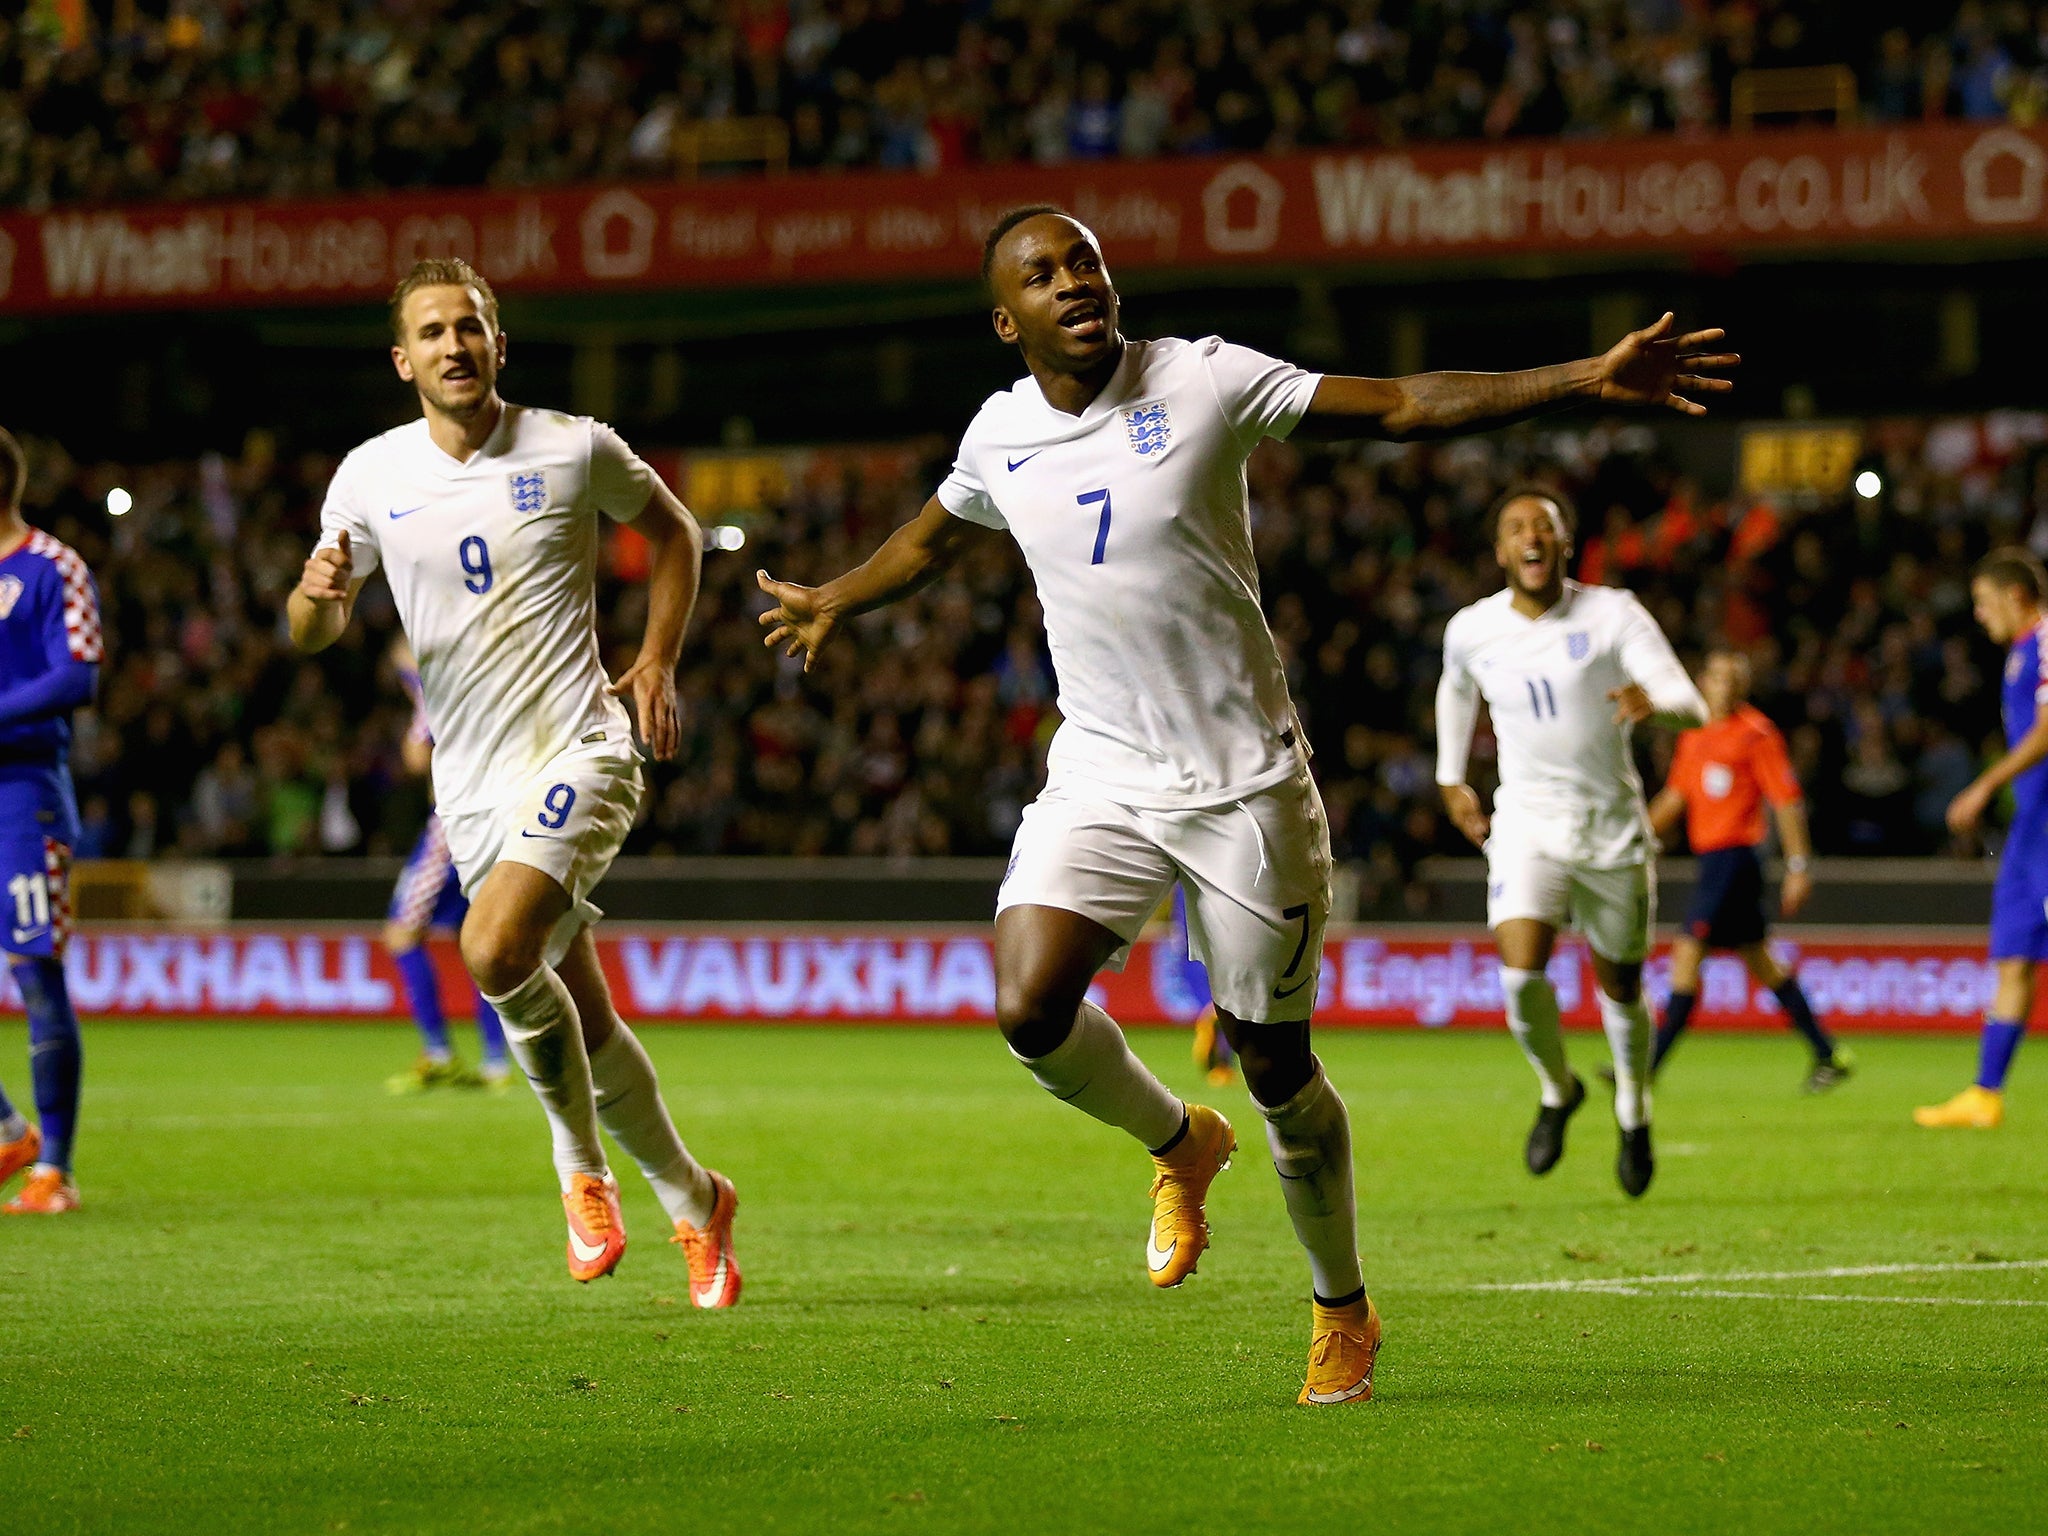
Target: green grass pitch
294	1304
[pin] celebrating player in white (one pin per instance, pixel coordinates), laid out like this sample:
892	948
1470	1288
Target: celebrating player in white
484	517
1118	466
1567	673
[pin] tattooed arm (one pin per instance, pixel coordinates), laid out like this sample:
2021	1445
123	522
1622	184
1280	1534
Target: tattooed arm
1649	367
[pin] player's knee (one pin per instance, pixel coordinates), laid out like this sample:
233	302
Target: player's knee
1275	1059
499	954
1623	983
1034	1017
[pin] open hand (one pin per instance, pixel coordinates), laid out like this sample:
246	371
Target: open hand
328	572
1656	366
799	621
652	686
1461	804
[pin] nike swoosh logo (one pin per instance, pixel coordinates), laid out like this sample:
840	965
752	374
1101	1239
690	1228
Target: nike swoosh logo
586	1253
1017	464
408	512
1285	992
1156	1258
715	1290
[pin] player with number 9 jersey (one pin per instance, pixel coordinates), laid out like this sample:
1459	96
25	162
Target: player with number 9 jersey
486	519
492	564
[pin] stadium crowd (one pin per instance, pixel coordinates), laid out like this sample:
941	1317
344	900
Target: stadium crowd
923	733
139	99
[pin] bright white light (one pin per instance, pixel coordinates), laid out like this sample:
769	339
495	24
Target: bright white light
726	536
1868	485
119	502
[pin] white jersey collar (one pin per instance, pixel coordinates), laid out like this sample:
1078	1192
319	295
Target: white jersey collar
1107	399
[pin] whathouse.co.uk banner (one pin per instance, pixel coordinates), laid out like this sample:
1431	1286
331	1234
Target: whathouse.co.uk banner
1913	184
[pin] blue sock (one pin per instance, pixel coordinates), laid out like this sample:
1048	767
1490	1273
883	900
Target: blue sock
1792	998
1677	1014
1995	1048
56	1056
423	994
490	1030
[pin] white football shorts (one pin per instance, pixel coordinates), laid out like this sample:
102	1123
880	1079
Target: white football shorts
569	822
1256	874
1615	908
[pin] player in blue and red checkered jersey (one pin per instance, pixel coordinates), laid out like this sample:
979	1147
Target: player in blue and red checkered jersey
50	649
2010	595
429	896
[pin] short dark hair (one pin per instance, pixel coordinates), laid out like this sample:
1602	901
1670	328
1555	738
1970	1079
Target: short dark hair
13	470
1540	492
2014	566
1008	222
439	272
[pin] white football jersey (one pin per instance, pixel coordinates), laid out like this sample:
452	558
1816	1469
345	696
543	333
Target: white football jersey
1134	521
1568	783
493	567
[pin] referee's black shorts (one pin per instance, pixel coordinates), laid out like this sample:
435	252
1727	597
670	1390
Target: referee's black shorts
1727	910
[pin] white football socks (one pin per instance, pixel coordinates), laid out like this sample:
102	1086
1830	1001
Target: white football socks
1532	1019
629	1105
1093	1070
1630	1030
546	1039
1310	1136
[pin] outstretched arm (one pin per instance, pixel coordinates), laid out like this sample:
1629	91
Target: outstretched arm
1655	366
915	555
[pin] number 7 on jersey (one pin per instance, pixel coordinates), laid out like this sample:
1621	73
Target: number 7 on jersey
1088	499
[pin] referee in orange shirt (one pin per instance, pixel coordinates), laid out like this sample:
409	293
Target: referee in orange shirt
1722	775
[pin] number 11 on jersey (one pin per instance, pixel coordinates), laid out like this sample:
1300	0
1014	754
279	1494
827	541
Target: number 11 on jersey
1088	499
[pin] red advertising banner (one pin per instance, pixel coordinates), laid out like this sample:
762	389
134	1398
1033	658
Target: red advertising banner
1728	193
698	975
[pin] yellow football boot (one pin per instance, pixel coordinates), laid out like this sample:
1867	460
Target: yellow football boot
1341	1353
1207	1055
1974	1109
1179	1230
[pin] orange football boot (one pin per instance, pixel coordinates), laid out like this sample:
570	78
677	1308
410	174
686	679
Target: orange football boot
1180	1228
1341	1354
714	1269
48	1192
19	1153
597	1231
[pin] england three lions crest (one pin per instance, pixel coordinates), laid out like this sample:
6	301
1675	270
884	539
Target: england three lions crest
529	490
1149	428
1578	645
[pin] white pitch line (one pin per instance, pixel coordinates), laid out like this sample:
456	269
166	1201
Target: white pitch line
1910	1301
1834	1272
